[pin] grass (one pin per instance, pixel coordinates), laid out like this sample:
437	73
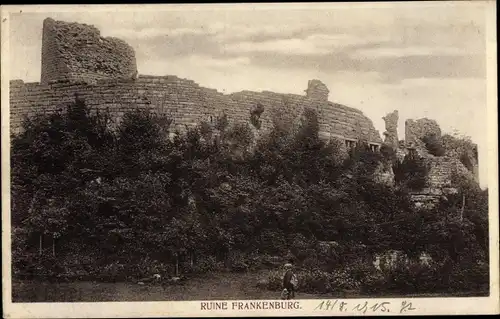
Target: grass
217	286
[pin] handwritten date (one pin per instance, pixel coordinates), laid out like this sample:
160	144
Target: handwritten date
364	307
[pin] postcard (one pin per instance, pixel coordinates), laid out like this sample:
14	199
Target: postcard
203	160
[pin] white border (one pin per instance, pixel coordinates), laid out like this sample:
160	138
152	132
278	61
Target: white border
438	306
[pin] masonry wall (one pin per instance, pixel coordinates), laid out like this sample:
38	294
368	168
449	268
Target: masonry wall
186	103
77	52
442	170
440	180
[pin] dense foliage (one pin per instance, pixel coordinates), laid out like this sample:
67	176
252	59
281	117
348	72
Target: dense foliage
434	145
93	201
411	173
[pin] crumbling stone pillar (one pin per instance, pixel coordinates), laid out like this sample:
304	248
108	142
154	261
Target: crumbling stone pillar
391	129
317	90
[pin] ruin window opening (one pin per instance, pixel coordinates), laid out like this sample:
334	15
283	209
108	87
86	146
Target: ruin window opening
349	144
412	153
255	116
466	161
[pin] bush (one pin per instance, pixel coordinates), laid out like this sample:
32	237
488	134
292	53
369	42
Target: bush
434	145
399	279
239	262
272	241
256	262
123	270
316	281
311	262
388	153
373	282
411	173
417	279
275	280
41	267
359	270
343	279
300	246
467	278
203	265
117	272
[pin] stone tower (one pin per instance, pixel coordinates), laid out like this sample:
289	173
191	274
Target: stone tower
77	53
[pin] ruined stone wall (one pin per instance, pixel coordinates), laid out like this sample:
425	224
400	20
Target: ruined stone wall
76	59
187	103
465	150
77	52
183	100
335	120
441	179
442	169
415	130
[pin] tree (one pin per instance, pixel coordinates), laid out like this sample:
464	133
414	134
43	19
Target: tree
133	195
411	173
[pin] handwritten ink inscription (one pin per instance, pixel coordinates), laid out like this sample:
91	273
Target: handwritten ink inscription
365	306
406	306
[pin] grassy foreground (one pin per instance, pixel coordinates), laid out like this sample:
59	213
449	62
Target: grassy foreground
217	286
210	287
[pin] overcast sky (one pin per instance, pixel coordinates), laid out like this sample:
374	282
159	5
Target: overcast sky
423	60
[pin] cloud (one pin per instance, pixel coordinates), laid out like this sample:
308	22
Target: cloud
142	33
211	62
313	44
262	33
193	66
212	29
397	52
216	31
398	68
285	46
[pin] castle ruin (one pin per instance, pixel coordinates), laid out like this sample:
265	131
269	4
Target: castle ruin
76	59
103	71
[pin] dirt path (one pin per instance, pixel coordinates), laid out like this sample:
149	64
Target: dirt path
212	287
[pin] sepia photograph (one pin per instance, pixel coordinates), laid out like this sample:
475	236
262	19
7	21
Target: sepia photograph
261	158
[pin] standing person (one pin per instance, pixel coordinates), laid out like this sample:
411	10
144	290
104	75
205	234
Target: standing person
290	280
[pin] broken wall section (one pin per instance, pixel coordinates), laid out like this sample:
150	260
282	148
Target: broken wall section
457	161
